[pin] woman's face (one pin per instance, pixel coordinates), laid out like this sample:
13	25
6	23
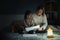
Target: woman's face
40	12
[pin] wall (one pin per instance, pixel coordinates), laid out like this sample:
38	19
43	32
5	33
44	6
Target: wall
6	20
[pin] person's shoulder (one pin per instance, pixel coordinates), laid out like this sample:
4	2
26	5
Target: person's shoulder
44	16
34	14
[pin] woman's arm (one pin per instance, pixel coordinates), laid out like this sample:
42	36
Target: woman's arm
45	22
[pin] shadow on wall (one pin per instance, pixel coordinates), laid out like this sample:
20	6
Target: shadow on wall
6	20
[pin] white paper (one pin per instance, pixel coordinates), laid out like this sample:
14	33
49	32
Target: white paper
32	28
29	35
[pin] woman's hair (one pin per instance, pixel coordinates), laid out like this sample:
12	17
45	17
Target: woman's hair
28	12
40	7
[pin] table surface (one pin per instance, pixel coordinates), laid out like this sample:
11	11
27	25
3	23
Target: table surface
38	36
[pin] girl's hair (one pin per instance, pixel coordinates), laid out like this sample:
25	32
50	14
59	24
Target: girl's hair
28	12
40	7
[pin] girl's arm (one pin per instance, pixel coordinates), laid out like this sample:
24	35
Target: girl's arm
25	24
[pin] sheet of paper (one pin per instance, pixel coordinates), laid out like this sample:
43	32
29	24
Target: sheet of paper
29	35
32	28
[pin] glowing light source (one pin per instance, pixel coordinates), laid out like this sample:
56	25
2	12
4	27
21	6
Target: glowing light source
50	33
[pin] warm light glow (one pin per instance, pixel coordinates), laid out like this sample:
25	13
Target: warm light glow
50	32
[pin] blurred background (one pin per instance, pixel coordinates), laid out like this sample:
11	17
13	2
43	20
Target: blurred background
12	10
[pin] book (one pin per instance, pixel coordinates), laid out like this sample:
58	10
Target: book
32	28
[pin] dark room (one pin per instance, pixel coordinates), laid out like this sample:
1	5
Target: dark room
30	20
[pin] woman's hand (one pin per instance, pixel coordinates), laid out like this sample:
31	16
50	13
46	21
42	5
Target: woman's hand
40	29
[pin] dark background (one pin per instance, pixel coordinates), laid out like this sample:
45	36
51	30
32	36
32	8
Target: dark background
15	9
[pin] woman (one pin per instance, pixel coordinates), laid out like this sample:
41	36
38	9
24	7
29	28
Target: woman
40	18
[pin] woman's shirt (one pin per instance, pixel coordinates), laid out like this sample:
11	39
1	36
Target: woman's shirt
40	19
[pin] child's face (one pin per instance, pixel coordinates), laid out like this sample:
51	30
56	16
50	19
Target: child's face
29	16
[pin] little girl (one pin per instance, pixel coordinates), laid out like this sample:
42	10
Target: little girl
28	20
